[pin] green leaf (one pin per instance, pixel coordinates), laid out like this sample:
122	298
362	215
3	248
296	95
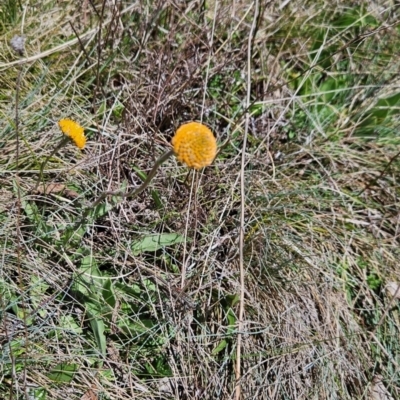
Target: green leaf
37	292
231	318
39	394
157	199
136	329
88	283
222	344
388	105
103	108
133	290
33	214
71	236
97	323
31	211
100	210
6	294
149	285
379	116
67	322
21	312
88	278
118	110
159	367
154	242
63	373
232	299
98	328
108	293
374	281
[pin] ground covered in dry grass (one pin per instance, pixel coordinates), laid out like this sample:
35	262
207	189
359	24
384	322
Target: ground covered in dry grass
271	274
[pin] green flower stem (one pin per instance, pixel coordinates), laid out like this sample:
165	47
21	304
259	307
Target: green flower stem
134	192
63	142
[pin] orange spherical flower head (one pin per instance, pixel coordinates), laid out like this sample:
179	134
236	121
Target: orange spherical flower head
74	131
195	145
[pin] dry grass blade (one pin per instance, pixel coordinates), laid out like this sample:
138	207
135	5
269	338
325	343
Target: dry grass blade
243	205
272	273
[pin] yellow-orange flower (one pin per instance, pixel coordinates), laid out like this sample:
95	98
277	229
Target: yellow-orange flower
74	131
195	145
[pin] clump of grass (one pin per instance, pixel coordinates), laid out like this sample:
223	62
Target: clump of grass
101	308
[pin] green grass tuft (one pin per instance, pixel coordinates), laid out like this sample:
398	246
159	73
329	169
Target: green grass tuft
141	298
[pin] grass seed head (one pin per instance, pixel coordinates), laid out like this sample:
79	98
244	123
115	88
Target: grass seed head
195	145
74	131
